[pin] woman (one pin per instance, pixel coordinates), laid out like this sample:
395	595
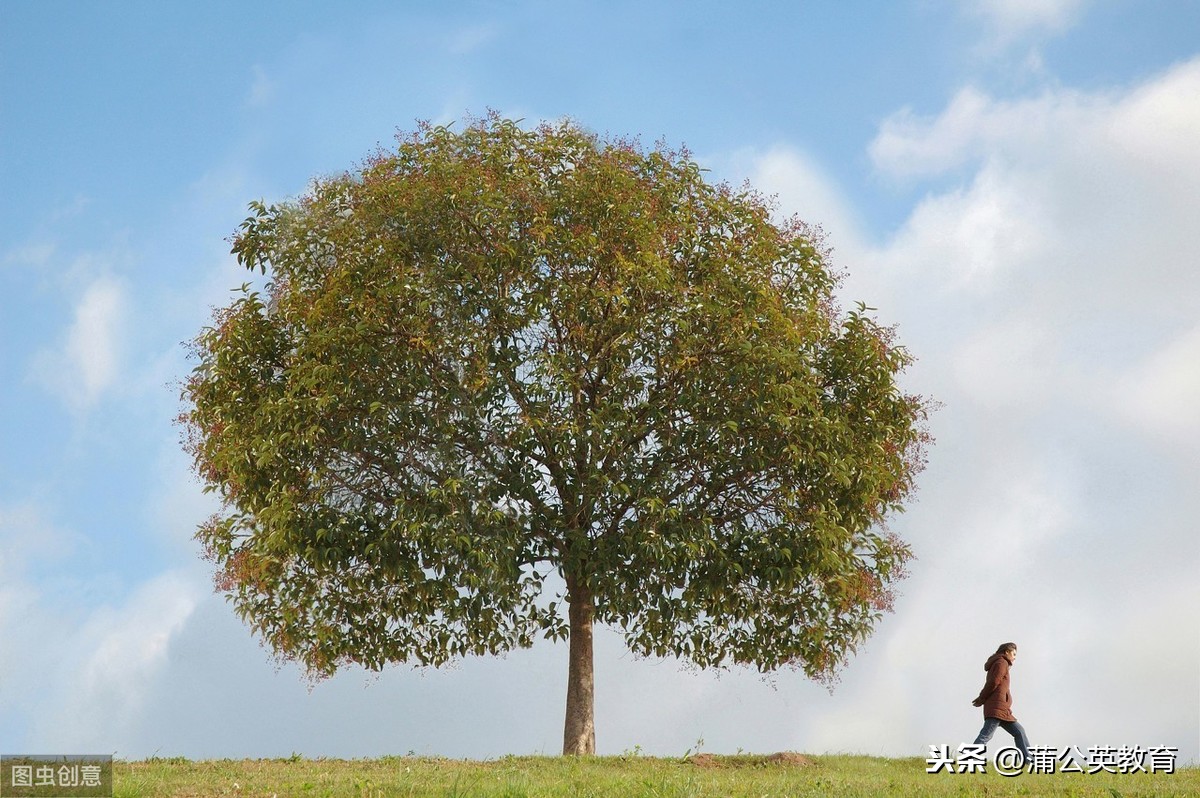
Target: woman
996	700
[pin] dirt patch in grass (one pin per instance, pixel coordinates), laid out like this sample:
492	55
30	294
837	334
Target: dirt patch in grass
791	758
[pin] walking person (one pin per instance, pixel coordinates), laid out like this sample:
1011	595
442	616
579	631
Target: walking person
996	700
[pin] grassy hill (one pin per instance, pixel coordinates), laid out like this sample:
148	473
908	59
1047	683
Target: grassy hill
635	776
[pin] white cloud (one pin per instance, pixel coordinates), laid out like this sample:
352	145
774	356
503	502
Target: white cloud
25	535
800	186
87	362
1017	15
1008	21
1162	394
1148	131
1013	365
970	240
122	647
908	145
91	346
976	127
102	667
1047	284
1091	197
84	668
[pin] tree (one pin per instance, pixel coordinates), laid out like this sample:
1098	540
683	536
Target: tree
510	383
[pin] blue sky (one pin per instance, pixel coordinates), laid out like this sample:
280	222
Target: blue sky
1013	184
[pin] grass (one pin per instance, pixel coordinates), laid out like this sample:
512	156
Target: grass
634	776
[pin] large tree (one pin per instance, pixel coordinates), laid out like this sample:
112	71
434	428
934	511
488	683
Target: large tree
509	383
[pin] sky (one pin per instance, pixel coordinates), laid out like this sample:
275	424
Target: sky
1013	185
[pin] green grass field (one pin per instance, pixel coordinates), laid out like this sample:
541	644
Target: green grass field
637	776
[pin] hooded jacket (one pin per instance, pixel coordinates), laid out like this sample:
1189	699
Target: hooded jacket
995	696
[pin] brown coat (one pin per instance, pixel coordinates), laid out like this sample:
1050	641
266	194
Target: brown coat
995	697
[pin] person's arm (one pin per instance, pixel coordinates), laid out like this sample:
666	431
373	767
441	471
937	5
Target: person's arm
994	677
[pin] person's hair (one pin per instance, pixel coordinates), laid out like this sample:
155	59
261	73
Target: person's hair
1006	647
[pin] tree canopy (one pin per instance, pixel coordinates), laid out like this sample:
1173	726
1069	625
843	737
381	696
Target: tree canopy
505	383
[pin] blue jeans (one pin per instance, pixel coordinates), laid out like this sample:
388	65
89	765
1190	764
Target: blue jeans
1010	726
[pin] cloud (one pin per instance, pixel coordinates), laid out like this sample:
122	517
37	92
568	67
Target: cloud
1046	281
908	145
1007	21
974	127
1088	196
1144	134
26	536
86	364
91	346
1162	394
1019	15
800	186
101	665
91	658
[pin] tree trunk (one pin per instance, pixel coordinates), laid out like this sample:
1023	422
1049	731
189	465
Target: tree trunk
579	732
